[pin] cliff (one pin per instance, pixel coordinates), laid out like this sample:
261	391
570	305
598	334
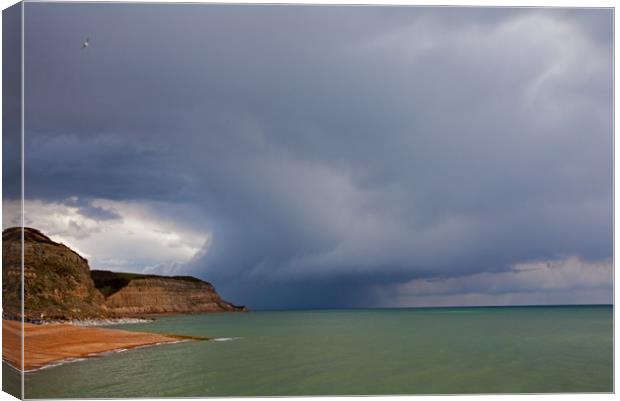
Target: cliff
134	294
57	280
60	285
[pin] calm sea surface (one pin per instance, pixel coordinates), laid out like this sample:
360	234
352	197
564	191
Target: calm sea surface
339	352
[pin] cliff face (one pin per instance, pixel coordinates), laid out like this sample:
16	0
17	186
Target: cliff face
135	294
57	280
60	285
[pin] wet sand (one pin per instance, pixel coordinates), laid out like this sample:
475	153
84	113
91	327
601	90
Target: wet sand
51	343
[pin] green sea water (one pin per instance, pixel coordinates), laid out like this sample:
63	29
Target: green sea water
352	352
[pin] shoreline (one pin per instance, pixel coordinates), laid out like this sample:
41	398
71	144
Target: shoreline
58	343
89	356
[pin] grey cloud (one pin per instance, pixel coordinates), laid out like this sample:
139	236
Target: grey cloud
568	280
569	273
333	148
87	209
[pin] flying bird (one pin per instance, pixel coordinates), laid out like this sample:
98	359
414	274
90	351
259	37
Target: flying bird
86	43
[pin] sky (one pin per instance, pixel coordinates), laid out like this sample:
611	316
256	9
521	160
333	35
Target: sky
327	156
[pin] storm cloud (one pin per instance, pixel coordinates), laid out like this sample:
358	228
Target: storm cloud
330	156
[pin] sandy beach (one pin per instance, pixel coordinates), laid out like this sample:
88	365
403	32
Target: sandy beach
52	343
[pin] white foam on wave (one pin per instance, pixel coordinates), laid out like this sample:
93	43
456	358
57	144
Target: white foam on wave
114	351
57	363
226	338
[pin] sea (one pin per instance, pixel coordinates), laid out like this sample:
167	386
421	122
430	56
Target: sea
353	352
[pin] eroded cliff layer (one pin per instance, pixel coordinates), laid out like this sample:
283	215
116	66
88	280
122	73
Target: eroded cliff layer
135	294
57	280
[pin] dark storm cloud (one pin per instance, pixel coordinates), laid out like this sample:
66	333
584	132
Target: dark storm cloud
11	105
333	149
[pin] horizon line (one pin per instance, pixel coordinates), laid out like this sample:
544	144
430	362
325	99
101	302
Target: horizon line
428	307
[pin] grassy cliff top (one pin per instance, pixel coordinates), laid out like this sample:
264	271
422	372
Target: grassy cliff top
109	282
34	236
30	234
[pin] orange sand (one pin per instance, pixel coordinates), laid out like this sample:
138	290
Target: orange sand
49	343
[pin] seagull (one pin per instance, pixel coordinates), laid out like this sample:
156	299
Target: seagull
86	43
